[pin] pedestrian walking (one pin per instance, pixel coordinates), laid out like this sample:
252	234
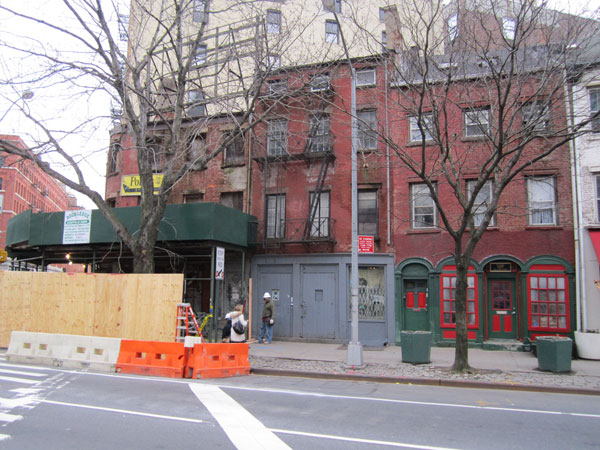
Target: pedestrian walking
238	324
268	315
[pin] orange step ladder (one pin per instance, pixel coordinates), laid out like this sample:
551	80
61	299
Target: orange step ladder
186	323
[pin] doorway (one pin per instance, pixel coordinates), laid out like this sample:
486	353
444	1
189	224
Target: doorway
415	305
502	308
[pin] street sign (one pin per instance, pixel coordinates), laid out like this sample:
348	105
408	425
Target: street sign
366	244
220	264
3	255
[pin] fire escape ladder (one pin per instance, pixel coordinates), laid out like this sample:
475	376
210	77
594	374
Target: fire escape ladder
316	197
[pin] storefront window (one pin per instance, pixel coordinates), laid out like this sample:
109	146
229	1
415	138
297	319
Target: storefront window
548	302
371	293
448	292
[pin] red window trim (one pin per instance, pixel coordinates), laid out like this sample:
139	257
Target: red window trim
473	326
566	302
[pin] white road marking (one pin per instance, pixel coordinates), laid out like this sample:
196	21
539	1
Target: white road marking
9	417
4	437
19	372
18	380
19	402
123	411
244	430
361	441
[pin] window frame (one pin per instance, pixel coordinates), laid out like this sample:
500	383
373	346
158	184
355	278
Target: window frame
337	6
531	202
597	196
367	130
594	99
113	160
414	127
509	28
536	291
366	212
414	215
320	142
538	112
201	54
448	300
322	228
320	82
470	122
490	185
273	61
198	11
238	159
273	26
452	24
277	137
275	221
197	103
363	82
282	85
332	36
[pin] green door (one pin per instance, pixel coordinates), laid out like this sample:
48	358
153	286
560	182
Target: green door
502	308
415	305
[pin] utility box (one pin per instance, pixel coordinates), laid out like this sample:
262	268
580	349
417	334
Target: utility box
416	347
554	353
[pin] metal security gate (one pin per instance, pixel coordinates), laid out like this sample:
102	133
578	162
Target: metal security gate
318	319
278	281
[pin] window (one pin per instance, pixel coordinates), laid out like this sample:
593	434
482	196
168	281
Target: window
1	201
319	215
277	137
548	302
382	14
0	184
536	117
199	13
336	4
368	213
541	200
332	32
477	122
597	178
365	77
273	21
417	133
319	82
273	61
277	86
453	27
319	133
115	149
367	129
509	26
594	108
196	148
196	197
384	42
200	56
482	201
275	216
448	301
233	200
197	106
123	27
234	152
371	293
424	213
2	161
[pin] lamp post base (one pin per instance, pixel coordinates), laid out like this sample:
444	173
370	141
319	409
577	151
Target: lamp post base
354	357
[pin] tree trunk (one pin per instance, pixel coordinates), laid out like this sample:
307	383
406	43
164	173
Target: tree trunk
143	259
461	355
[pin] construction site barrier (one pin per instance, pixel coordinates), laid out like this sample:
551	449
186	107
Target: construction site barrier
64	350
162	359
218	361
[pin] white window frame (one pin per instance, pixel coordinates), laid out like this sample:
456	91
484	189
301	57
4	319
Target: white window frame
537	113
509	28
277	87
319	227
275	212
277	137
415	131
453	27
320	82
366	77
477	122
367	129
273	21
1	201
368	206
201	53
541	199
332	32
480	205
318	133
273	61
420	191
594	96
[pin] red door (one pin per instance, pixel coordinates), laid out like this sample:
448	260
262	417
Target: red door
502	309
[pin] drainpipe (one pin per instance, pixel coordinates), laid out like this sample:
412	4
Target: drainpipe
581	308
387	157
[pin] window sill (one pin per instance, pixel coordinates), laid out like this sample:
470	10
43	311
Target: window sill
428	143
474	138
425	231
239	164
544	227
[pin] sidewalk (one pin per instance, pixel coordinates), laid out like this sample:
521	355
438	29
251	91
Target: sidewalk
493	369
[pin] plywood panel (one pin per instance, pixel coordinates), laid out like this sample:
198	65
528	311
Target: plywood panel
132	306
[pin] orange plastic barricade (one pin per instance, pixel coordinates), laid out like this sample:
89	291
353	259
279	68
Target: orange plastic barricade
162	359
218	361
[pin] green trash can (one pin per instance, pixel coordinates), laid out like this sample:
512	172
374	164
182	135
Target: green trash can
554	353
416	347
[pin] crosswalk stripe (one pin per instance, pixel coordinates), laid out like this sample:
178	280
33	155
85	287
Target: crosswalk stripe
18	380
244	430
4	437
4	417
19	372
18	402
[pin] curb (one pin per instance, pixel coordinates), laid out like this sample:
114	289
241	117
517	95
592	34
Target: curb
441	382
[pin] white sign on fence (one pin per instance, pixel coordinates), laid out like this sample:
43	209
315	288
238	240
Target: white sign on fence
76	227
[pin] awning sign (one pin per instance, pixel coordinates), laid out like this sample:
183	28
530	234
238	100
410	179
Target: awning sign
131	184
220	264
77	226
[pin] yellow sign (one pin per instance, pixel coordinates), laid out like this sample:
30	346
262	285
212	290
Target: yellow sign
3	255
131	185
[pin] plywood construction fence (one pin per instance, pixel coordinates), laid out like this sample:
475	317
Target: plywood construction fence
129	306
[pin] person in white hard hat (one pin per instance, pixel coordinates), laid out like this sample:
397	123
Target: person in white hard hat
268	313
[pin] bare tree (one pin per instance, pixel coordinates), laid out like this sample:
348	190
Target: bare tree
482	87
174	75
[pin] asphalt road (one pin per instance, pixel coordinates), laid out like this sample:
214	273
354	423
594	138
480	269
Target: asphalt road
48	408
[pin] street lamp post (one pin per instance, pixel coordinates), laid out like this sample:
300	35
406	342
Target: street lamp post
25	95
